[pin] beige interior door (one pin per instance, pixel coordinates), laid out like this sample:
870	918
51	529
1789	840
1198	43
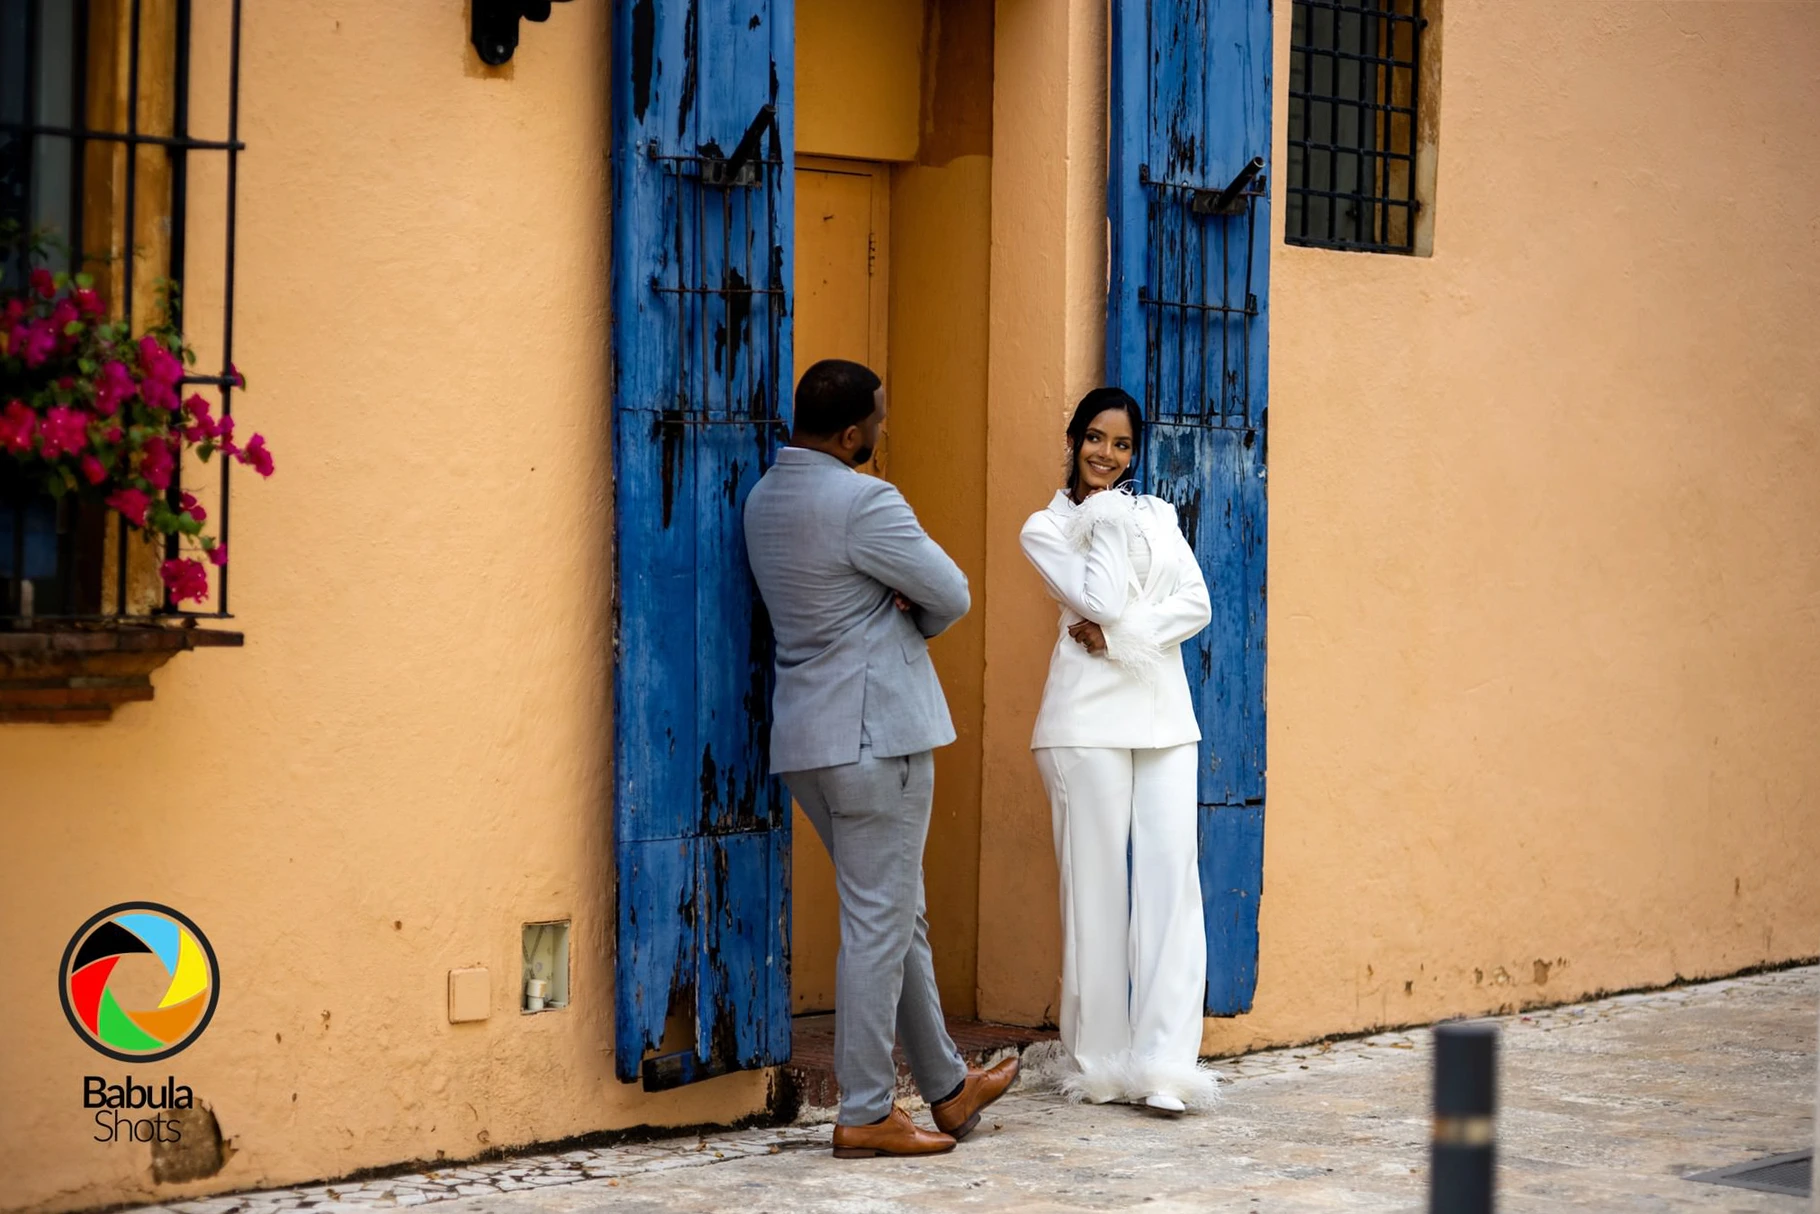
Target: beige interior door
842	208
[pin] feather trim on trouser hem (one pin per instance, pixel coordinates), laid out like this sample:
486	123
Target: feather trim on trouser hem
1123	1077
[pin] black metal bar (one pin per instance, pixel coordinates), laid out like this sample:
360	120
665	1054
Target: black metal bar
678	417
1204	398
1251	309
85	133
1189	306
1229	200
79	142
78	221
180	173
1187	422
1353	103
1333	117
28	145
1463	1171
1380	199
1368	125
726	262
1354	56
721	291
227	299
1363	7
17	582
746	150
1415	107
130	255
1375	154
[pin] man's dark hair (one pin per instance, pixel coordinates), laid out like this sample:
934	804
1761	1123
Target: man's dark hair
832	395
1092	405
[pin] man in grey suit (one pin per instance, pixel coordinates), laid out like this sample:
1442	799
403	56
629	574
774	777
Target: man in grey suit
855	588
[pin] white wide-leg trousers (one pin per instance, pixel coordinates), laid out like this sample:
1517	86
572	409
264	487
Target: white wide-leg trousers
1134	947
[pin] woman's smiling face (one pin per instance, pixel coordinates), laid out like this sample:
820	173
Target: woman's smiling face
1105	451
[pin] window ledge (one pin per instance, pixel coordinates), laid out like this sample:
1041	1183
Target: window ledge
62	674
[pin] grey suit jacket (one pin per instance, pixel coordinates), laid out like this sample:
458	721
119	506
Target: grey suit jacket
828	546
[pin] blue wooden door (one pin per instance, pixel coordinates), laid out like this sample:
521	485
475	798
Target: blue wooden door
1186	326
702	205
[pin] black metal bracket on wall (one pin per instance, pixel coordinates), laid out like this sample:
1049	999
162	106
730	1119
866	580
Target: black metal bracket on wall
493	27
1235	197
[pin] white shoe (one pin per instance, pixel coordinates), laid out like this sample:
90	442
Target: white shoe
1162	1102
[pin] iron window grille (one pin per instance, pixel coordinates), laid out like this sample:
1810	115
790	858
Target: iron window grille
51	136
1200	303
1355	71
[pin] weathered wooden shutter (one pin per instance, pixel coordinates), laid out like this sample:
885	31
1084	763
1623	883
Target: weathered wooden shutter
1186	326
702	121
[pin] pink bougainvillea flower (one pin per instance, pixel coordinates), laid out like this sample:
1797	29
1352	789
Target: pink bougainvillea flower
224	434
92	469
64	431
162	371
114	434
193	508
234	376
64	315
44	283
186	580
258	457
89	301
132	504
113	388
157	464
39	344
15	310
18	426
202	424
218	555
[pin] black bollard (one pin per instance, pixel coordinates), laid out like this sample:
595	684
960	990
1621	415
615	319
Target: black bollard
1463	1170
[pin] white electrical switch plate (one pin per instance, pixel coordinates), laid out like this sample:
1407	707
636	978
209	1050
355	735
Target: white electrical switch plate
470	995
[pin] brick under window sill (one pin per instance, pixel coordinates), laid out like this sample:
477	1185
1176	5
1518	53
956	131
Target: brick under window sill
60	674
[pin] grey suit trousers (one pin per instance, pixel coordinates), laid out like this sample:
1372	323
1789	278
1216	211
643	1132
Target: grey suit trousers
873	817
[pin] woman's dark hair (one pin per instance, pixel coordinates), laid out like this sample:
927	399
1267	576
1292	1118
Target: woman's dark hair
832	395
1092	405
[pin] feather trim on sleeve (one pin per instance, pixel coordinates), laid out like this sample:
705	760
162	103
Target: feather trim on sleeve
1115	506
1131	642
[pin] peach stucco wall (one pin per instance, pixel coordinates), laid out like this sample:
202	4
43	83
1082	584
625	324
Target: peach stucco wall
1542	570
1543	662
408	759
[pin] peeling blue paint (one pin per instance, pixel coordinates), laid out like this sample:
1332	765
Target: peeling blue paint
1190	106
701	831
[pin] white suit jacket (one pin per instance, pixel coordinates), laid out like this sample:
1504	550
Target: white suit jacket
1135	695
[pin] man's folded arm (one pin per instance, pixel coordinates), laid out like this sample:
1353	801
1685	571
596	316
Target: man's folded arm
884	541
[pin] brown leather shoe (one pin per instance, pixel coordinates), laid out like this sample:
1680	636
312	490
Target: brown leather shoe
895	1135
958	1116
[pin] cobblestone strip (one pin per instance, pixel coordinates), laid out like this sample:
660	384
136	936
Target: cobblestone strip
610	1163
510	1175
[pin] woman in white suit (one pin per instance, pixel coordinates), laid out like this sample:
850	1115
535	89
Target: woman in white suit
1117	743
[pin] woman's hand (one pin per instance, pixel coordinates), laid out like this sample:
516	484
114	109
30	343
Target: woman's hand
1089	636
901	603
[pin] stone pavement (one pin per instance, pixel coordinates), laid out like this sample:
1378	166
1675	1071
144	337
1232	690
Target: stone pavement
1605	1106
